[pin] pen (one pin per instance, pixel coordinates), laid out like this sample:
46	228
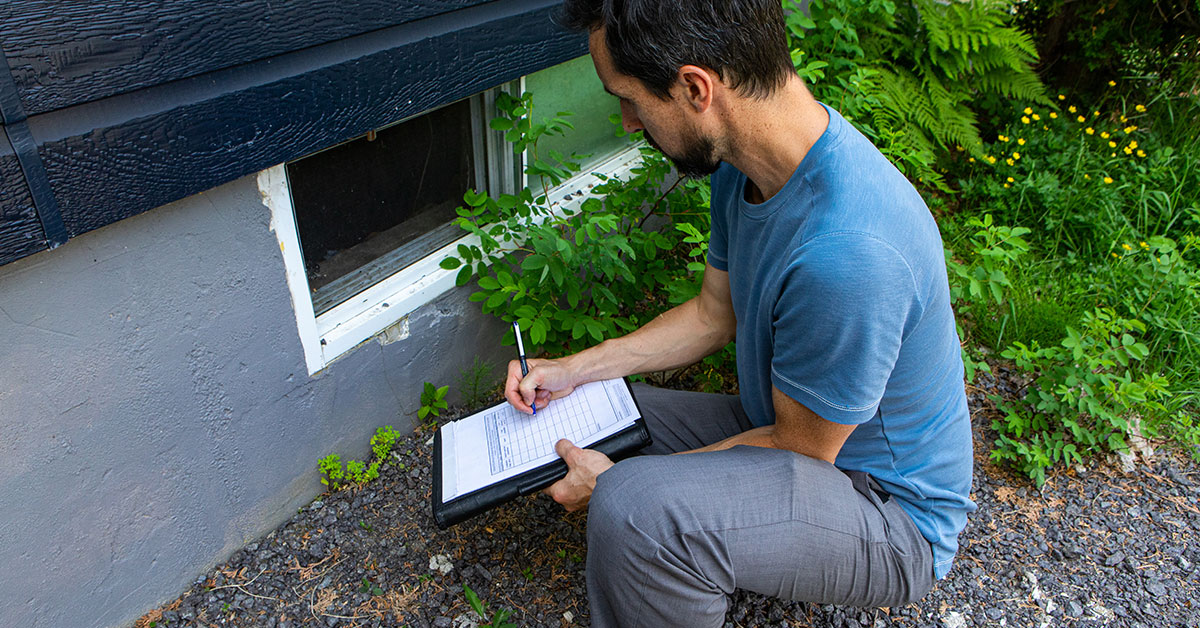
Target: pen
521	354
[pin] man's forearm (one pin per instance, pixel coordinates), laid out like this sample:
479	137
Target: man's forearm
678	337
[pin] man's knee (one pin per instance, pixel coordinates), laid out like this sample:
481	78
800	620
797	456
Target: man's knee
629	500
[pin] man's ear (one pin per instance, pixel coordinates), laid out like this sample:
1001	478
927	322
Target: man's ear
696	87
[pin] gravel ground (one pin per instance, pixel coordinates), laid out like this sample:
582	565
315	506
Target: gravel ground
1104	544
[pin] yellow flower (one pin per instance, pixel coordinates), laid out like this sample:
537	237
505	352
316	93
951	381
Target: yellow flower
1095	114
1053	115
1104	134
1141	153
1045	128
1016	155
1127	247
1112	83
958	148
1087	176
991	160
1130	129
1011	180
1108	179
1061	97
1037	117
1007	185
1002	138
1124	119
1143	244
1140	108
1024	119
1080	119
1133	144
1028	110
1009	161
1090	131
1112	144
1020	141
1112	154
1115	255
1128	150
1071	109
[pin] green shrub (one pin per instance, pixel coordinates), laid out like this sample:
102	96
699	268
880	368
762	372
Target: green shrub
573	278
908	74
1083	397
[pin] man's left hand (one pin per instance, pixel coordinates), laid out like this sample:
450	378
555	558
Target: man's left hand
583	465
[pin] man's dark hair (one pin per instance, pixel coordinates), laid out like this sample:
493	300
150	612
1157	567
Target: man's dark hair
743	41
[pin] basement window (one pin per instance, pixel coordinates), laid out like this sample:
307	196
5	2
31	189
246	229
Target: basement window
374	205
363	225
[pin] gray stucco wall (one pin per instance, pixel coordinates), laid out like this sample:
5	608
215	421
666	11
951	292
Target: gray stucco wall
155	409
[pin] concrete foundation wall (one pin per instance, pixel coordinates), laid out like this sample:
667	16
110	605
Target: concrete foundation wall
155	409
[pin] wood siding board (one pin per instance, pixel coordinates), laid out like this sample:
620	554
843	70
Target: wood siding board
68	53
103	173
24	148
20	229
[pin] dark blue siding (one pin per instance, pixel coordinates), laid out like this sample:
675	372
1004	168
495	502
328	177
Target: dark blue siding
20	230
138	133
66	53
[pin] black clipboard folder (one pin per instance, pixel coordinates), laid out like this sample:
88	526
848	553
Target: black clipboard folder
617	447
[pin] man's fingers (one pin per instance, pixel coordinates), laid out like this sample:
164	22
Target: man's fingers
567	451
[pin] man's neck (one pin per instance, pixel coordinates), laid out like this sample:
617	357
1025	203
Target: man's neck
767	139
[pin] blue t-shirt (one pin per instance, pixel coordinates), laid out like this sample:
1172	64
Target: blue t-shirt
839	286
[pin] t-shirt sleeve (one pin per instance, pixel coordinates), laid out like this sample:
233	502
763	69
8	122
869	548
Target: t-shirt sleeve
846	302
718	238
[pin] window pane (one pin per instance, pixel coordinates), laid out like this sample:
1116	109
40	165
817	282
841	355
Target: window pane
573	86
371	206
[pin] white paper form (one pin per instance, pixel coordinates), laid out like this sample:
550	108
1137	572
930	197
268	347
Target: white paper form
500	442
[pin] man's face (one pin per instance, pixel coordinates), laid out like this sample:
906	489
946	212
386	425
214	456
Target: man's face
666	124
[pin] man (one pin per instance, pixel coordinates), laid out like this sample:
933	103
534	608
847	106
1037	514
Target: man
841	473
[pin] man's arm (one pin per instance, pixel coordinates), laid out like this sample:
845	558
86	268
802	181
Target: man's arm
796	429
678	337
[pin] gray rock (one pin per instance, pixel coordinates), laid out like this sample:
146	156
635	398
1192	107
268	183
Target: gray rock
1114	559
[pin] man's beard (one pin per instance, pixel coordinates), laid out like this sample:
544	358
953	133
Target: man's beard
698	159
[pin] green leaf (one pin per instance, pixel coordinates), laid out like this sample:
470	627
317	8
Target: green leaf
450	263
464	276
474	601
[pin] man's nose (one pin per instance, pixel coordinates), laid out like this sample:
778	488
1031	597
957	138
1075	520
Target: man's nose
629	119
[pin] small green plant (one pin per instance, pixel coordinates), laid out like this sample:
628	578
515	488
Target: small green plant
499	619
433	401
476	382
366	526
357	471
362	473
331	467
978	285
528	573
1083	400
369	587
382	442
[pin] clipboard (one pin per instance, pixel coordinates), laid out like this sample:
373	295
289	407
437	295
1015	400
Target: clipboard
617	446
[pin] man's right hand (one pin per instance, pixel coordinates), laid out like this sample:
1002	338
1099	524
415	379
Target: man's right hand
547	380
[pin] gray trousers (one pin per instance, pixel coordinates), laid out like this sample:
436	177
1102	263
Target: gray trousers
670	536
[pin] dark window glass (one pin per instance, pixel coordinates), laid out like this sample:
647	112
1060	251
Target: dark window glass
373	205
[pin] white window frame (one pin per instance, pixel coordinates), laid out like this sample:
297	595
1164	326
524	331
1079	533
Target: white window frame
383	309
